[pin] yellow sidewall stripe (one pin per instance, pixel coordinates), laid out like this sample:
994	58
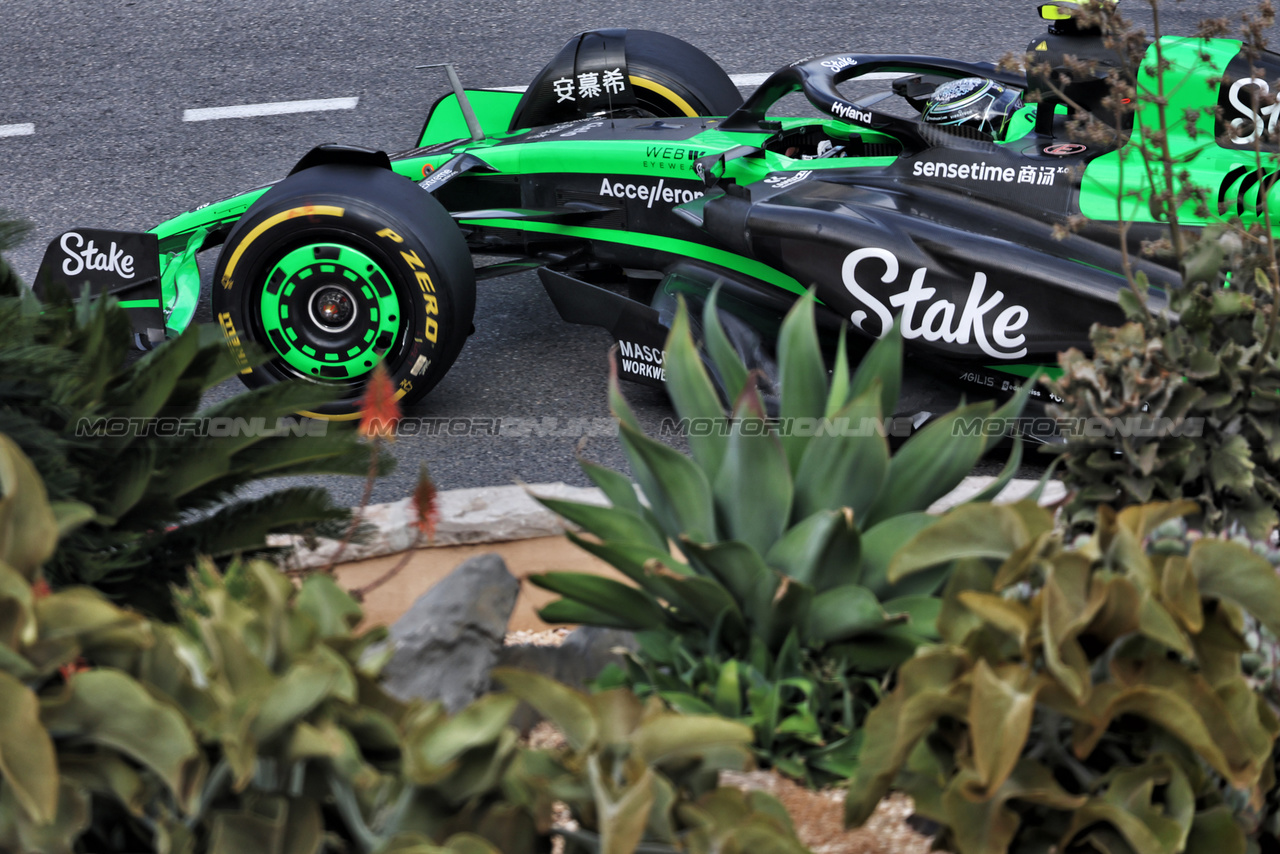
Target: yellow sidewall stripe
320	416
345	416
659	89
305	210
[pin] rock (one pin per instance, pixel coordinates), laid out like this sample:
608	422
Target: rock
586	652
589	650
533	657
467	516
506	513
448	641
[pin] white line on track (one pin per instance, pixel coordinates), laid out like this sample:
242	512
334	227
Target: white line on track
18	130
245	111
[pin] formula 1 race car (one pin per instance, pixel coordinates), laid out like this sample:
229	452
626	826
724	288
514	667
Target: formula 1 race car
631	172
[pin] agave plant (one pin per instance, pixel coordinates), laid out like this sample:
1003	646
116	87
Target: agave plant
774	604
1086	698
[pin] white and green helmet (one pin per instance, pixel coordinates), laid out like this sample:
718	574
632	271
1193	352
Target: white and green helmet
974	102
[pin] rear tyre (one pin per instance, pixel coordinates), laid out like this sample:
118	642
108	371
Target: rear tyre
668	77
338	267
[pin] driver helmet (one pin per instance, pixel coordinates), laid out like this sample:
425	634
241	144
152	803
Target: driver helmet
973	102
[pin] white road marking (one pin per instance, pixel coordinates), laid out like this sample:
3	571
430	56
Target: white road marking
245	111
742	81
18	130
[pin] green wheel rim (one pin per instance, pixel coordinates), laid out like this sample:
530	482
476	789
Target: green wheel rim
329	311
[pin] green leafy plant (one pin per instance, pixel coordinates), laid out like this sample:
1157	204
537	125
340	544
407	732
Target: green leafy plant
250	726
774	606
12	231
45	801
1202	382
1086	698
164	474
256	725
1181	401
296	714
640	775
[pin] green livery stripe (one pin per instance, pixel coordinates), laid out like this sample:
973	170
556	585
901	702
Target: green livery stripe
675	246
1027	371
139	303
174	233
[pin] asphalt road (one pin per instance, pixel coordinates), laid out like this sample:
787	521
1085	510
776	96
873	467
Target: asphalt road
92	134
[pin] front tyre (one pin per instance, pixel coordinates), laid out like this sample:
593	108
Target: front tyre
338	267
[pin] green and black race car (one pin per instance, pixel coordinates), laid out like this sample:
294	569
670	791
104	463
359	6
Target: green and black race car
631	172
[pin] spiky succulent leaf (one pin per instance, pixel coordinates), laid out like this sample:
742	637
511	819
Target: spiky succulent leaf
693	395
755	462
733	374
882	363
822	551
623	602
739	569
610	524
846	464
933	462
616	486
802	373
845	612
678	491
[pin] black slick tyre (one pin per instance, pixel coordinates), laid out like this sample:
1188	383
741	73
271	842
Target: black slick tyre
338	267
667	77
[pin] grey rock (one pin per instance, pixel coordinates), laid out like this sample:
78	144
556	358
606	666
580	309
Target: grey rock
589	650
481	515
448	641
532	657
584	654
